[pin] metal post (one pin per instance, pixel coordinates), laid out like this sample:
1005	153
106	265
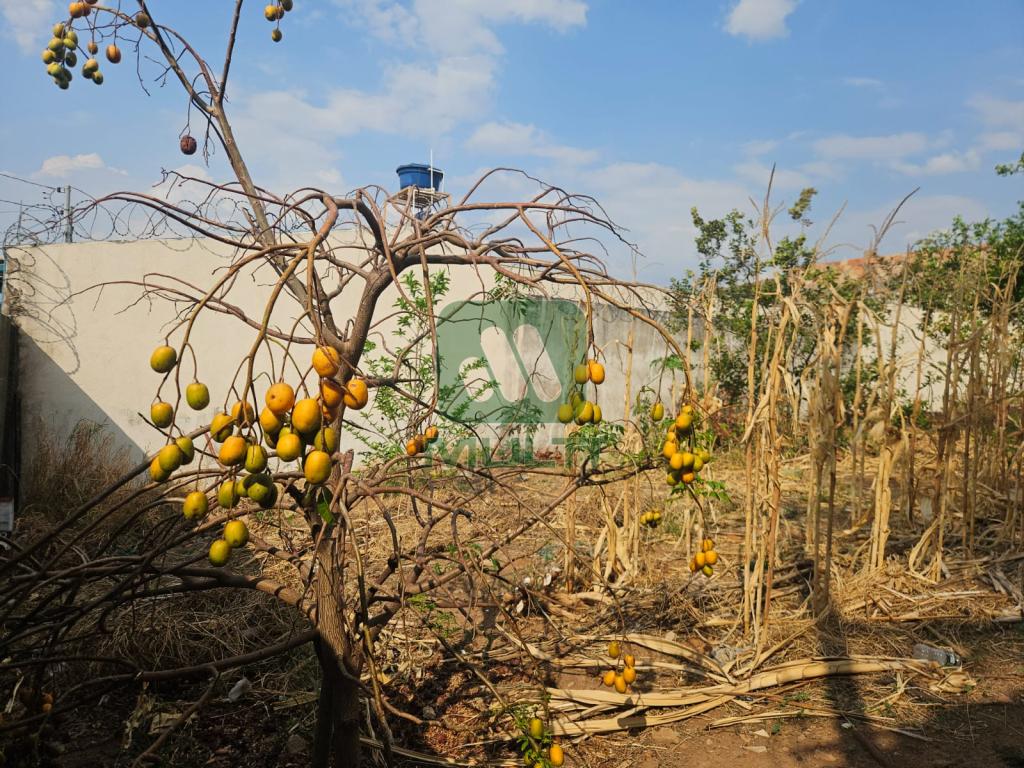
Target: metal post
68	230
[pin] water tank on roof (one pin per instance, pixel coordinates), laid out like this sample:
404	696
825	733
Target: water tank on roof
419	175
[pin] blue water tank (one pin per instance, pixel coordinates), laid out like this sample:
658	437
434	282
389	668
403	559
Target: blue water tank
419	175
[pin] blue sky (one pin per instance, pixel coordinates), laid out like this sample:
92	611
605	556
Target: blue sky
652	107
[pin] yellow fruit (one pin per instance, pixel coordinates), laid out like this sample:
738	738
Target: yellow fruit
113	54
705	455
688	478
596	371
687	459
565	413
688	410
280	398
597	414
241	488
676	462
272	12
49	57
698	464
671	479
669	449
161	414
629	660
195	505
169	457
585	413
188	451
232	452
658	411
326	440
613	649
257	487
197	395
142	20
255	458
581	374
163	359
693	565
556	756
236	534
536	728
711	557
227	496
289	446
684	421
412	448
264	492
609	678
629	675
421	443
431	434
317	467
58	30
243	412
326	361
306	416
620	684
707	570
275	35
331	393
220	551
700	559
357	394
707	545
220	427
157	473
270	422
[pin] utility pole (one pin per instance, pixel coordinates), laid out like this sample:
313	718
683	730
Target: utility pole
68	230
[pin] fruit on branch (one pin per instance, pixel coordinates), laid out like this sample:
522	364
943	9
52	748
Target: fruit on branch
197	395
609	678
273	12
317	467
688	477
596	419
326	361
220	427
412	447
220	552
280	398
255	458
684	421
620	684
142	20
92	48
613	649
536	728
271	422
261	489
657	411
113	54
195	505
326	440
565	413
227	494
556	756
49	57
585	413
70	59
243	413
357	394
169	457
58	30
236	534
595	371
157	473
629	660
581	373
71	40
161	414
331	393
77	10
232	452
276	35
629	675
652	517
89	67
289	445
188	450
97	77
431	434
306	416
287	5
163	359
188	145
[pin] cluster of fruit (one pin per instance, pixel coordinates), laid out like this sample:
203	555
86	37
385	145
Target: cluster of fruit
419	443
273	13
555	756
684	461
704	561
579	408
235	535
30	697
60	56
651	518
620	679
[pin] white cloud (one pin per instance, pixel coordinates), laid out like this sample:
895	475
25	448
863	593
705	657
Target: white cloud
1001	141
863	82
519	139
890	147
63	165
760	147
759	19
918	218
28	21
947	162
998	113
758	174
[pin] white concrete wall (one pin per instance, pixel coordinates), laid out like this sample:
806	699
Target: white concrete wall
85	347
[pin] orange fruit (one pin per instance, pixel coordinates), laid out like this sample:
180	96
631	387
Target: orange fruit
669	449
687	460
536	728
676	462
331	393
157	473
700	559
233	450
317	467
161	414
693	564
688	410
269	421
609	678
596	371
163	359
289	446
629	675
556	756
707	544
195	505
711	557
306	417
613	649
220	427
684	421
219	553
688	478
431	434
629	660
326	361
657	411
620	684
357	394
280	398
243	412
412	447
